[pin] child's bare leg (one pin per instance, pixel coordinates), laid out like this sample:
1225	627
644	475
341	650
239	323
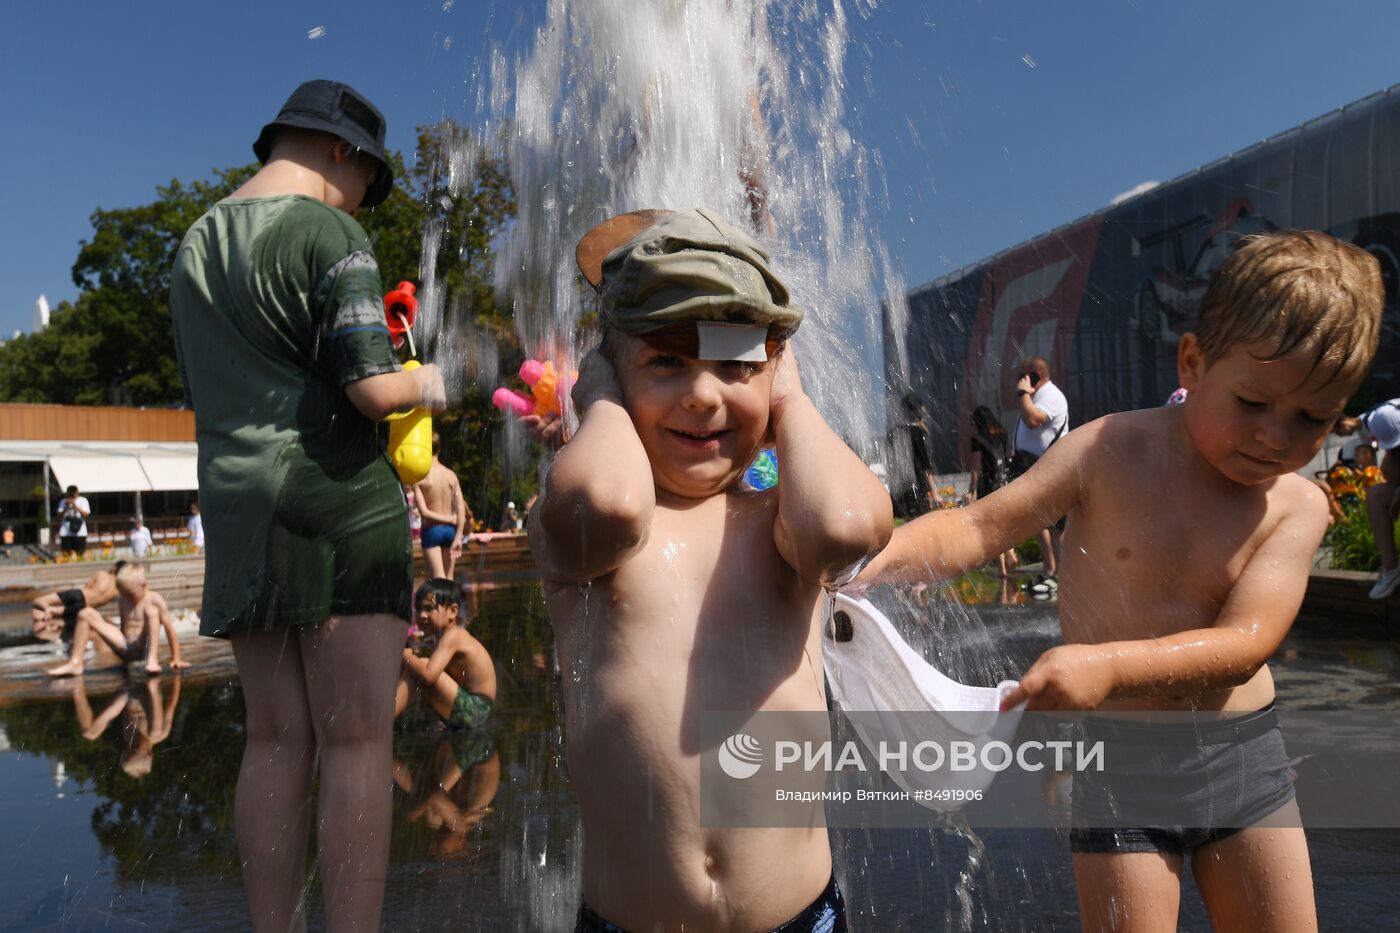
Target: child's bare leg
449	562
351	664
74	664
41	612
88	624
1380	513
1258	878
272	802
1128	892
432	557
441	695
404	692
1047	552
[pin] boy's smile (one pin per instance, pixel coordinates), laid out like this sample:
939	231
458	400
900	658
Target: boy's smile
1254	419
700	421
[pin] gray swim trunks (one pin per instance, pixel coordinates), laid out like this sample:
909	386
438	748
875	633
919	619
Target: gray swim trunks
1192	783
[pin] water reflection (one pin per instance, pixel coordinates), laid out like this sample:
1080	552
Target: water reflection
485	832
145	721
447	786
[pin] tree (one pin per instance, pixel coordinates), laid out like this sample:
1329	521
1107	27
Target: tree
115	345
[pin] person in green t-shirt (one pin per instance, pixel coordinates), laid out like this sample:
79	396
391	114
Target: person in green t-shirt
279	330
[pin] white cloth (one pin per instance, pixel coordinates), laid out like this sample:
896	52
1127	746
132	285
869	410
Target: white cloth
77	528
196	527
1049	399
1383	423
140	541
893	691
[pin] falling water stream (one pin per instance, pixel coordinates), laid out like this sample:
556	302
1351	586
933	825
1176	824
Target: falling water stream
616	105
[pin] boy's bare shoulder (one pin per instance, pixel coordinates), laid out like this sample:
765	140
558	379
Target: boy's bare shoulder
457	640
1299	499
1140	428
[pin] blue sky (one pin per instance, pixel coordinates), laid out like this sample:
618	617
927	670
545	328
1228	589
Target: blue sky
995	120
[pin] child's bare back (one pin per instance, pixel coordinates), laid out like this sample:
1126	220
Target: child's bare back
446	517
466	661
439	491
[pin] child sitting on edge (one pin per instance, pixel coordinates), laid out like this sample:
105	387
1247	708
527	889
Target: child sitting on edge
143	614
1186	555
459	678
673	593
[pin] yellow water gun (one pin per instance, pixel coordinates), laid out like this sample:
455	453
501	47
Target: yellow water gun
410	432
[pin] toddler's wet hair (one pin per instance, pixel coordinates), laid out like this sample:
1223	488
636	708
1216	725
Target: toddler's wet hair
130	576
444	592
1298	291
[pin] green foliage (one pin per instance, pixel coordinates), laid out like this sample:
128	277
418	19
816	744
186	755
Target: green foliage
1350	539
115	345
462	201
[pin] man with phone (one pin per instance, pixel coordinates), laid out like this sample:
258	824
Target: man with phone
1043	417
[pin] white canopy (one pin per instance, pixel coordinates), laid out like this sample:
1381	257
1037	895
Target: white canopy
100	474
171	471
112	466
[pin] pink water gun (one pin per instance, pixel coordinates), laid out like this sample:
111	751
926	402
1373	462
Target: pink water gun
545	392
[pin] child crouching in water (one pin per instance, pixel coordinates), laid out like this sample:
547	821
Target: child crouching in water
671	593
459	678
143	613
1186	556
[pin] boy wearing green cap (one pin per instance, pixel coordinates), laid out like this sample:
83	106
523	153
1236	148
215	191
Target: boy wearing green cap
671	592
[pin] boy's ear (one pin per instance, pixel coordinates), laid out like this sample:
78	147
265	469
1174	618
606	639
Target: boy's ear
1190	362
341	151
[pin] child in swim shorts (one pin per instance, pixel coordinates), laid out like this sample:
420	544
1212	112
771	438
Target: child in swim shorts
458	678
1181	575
673	591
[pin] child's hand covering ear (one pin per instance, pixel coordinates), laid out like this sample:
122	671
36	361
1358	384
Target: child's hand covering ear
597	381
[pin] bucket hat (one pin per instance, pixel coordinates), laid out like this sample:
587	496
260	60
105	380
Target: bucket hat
335	108
689	279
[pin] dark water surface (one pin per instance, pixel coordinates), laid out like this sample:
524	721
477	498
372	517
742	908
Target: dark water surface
486	834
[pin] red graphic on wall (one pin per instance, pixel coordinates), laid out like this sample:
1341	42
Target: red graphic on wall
1029	306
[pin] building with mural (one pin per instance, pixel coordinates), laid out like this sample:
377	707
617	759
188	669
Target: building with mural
1106	298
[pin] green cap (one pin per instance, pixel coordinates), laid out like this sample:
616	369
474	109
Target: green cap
659	269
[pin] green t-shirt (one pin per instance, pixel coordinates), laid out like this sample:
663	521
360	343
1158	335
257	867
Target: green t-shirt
277	305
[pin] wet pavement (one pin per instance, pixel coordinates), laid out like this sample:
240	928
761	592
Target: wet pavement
486	834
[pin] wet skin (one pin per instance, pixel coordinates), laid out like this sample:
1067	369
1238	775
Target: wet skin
1188	541
695	607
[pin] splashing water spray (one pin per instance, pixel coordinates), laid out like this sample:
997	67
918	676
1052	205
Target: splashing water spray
734	105
738	106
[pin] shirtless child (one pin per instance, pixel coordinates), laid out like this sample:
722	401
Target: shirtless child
673	593
143	614
99	591
1186	554
445	516
459	678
